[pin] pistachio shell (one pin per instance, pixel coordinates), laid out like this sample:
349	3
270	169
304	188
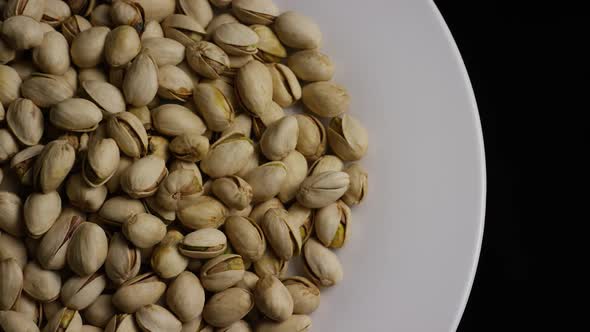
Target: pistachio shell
200	10
107	96
186	297
88	47
116	210
153	318
164	51
42	285
270	264
10	84
174	120
83	196
88	249
266	180
32	8
323	189
204	243
221	3
8	145
255	11
348	138
326	99
282	236
144	230
270	115
157	9
326	163
286	88
12	247
259	210
174	83
270	48
73	25
296	173
227	307
25	120
99	313
233	191
64	320
296	323
141	81
273	299
207	59
202	212
52	55
236	39
332	224
249	281
358	184
311	141
166	260
298	31
306	295
11	282
216	109
41	212
53	165
13	321
52	250
126	13
322	265
152	29
22	32
178	185
123	260
129	133
30	307
137	292
114	183
246	237
189	147
55	12
280	138
79	292
227	156
143	177
183	28
220	20
47	90
254	97
7	53
121	46
242	124
101	162
122	323
239	326
311	65
75	114
22	163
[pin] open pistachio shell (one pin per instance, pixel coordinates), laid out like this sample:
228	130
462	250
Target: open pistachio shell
204	243
348	138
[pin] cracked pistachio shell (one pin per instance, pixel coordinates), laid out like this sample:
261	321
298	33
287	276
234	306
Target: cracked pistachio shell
202	212
30	307
114	183
42	285
270	48
266	180
83	196
239	326
52	250
280	138
205	243
88	47
11	282
321	264
242	124
46	90
165	51
99	313
295	323
129	133
186	297
219	20
53	165
286	88
296	173
227	156
214	106
122	323
323	189
260	209
73	25
189	147
326	99
167	261
301	217
236	62
79	292
282	236
152	29
13	321
123	260
251	163
158	146
273	299
30	8
12	247
272	114
222	272
140	84
75	114
305	294
127	13
175	120
101	162
52	56
332	224
227	307
326	163
255	11
144	116
236	39
249	281
311	65
178	185
233	191
88	249
253	86
66	320
311	141
154	318
207	59
298	31
144	230
40	212
143	177
225	84
8	145
121	46
50	308
138	291
107	96
271	264
11	218
246	237
25	120
358	184
118	209
55	12
348	138
22	32
152	206
174	83
200	10
22	163
10	85
183	28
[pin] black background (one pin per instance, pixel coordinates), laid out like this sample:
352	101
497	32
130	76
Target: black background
528	64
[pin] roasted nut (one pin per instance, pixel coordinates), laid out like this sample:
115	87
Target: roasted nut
123	260
185	296
166	260
52	55
204	243
246	237
137	292
88	47
88	249
228	306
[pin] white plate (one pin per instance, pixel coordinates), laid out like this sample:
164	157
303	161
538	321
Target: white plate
410	262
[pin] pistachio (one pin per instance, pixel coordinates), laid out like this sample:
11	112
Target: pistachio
83	196
11	282
42	285
311	65
121	46
75	114
298	31
152	318
88	249
30	8
117	76
270	264
174	120
322	189
52	250
306	295
246	237
144	230
273	299
164	51
178	185
7	53
226	86
12	247
311	141
123	260
266	180
107	96
186	297
100	16
55	12
167	261
358	184
270	48
326	163
137	292
286	87
129	133
141	80
296	173
52	55
101	162
174	83
332	224
25	120
221	3
114	183
53	165
90	328
202	212
66	320
30	307
348	138
127	13
118	209
255	11
189	147
326	99
251	162
22	32
183	28
236	39
254	97
40	212
158	147
152	29
227	156
272	114
51	308
259	210
10	85
204	244
296	323
100	311
121	323
280	138
321	264
8	145
228	306
302	217
88	47
73	25
13	321
239	326
207	59
215	108
233	191
79	292
143	177
11	218
219	20
249	281
242	124
200	10
152	206
283	236
144	116
82	7
222	272
46	90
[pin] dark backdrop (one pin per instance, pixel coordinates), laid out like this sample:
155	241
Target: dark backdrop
527	61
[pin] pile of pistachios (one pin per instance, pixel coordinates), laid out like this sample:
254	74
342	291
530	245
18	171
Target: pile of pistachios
161	184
